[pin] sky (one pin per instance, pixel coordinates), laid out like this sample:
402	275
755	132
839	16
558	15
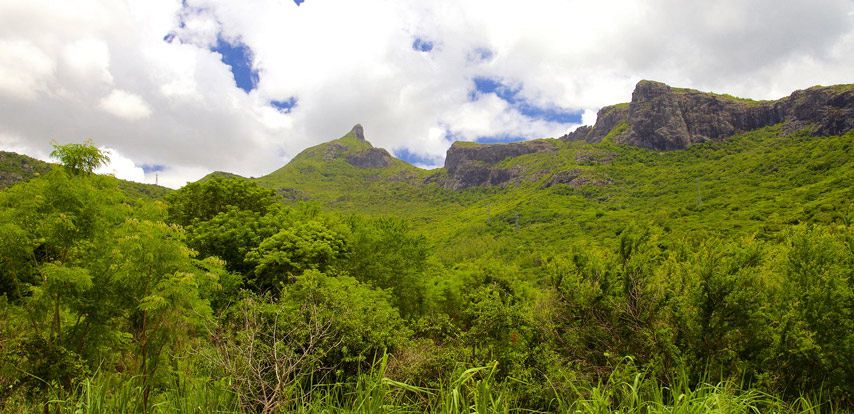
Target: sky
176	89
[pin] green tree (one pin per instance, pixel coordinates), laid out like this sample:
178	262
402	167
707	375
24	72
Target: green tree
163	291
232	234
203	200
311	245
50	227
388	255
323	330
80	158
816	346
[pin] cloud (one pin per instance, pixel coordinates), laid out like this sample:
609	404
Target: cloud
89	59
121	167
153	82
26	69
125	105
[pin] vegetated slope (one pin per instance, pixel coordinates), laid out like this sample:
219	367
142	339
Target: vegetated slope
523	200
344	173
15	168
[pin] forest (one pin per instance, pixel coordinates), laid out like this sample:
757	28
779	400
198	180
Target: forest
227	296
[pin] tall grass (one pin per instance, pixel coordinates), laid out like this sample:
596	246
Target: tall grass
474	390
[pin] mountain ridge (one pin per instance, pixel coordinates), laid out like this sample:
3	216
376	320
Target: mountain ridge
662	117
658	117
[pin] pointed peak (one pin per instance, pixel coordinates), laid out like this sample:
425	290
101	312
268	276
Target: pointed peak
358	131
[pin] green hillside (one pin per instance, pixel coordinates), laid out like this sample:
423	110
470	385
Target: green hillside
323	173
753	183
15	168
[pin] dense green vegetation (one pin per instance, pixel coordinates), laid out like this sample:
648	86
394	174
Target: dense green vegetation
718	278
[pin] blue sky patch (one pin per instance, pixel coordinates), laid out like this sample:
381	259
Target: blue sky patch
286	105
238	56
422	45
152	168
510	94
499	139
480	54
412	158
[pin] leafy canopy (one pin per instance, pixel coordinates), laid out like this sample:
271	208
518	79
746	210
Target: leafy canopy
80	158
202	200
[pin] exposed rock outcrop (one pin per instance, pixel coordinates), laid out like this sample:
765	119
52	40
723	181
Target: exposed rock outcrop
370	158
606	120
665	118
574	178
470	165
358	131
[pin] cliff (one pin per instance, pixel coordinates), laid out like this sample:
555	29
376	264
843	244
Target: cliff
665	118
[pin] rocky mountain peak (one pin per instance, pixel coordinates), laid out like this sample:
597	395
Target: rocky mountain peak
352	148
666	118
358	131
648	90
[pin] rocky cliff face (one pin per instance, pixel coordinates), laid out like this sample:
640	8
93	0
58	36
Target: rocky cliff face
470	165
665	118
370	158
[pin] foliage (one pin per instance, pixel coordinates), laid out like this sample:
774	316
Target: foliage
292	251
322	328
388	255
232	234
714	278
80	158
202	200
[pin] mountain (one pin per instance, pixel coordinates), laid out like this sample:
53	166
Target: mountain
333	169
665	118
742	167
15	168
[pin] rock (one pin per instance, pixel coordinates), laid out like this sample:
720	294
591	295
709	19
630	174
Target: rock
574	178
562	177
589	157
370	158
579	134
334	151
664	118
358	131
470	165
490	154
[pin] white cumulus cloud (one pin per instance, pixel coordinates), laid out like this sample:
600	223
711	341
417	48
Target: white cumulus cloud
125	105
121	167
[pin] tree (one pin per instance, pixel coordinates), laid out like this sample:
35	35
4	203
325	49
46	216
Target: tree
80	159
49	229
323	329
203	200
232	234
388	255
162	289
292	251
